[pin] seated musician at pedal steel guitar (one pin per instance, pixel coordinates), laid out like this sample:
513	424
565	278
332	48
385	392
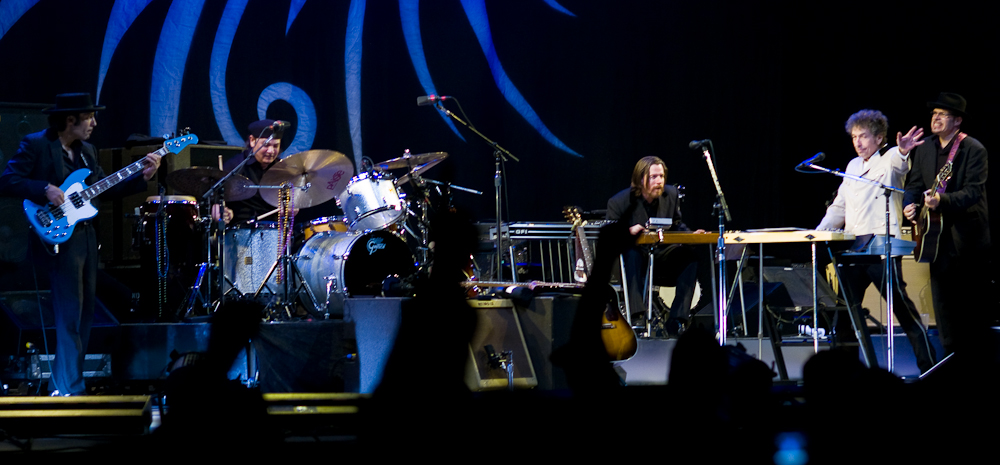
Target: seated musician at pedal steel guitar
650	197
960	273
859	209
44	160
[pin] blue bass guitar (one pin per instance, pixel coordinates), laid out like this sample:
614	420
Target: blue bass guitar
55	224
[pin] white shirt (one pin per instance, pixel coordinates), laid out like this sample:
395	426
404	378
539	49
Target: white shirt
860	207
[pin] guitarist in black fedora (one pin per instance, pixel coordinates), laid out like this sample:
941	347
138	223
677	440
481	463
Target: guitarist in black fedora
42	163
959	269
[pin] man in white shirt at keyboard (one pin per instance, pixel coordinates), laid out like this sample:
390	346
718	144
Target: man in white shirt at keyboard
859	209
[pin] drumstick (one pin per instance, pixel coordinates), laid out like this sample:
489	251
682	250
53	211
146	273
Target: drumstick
268	214
220	164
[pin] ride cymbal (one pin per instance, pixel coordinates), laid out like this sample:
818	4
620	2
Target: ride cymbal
326	171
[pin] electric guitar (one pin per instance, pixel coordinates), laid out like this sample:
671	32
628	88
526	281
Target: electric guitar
927	230
616	334
54	225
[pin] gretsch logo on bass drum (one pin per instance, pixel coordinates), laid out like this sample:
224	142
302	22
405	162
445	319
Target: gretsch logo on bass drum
375	244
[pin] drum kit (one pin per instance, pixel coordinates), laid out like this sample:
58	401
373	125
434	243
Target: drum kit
309	270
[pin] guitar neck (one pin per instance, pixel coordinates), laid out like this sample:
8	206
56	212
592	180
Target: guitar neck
127	172
530	285
940	178
588	258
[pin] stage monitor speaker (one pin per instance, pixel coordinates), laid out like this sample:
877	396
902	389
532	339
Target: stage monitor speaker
917	277
499	328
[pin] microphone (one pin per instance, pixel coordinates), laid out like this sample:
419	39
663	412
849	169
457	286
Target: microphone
425	100
698	144
278	128
815	159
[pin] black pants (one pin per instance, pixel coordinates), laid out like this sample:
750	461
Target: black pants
673	266
857	276
963	302
73	275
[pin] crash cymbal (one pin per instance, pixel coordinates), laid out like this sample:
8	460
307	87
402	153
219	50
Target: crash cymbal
327	172
197	180
411	161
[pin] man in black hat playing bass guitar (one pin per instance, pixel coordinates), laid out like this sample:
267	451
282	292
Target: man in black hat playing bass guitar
42	163
960	255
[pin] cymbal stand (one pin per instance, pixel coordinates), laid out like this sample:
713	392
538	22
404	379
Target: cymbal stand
500	154
287	264
420	184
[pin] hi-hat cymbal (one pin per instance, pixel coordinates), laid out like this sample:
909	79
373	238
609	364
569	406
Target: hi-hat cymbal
197	180
412	161
327	172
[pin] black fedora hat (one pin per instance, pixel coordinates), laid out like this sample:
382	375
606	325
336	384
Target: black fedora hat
69	103
952	102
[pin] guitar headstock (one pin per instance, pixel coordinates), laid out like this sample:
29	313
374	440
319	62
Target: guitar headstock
177	144
945	174
572	215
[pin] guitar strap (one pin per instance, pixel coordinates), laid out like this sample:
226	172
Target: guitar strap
951	156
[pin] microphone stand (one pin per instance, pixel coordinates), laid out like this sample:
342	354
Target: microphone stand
722	211
888	191
498	154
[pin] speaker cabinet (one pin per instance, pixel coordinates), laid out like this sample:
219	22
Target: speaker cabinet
499	329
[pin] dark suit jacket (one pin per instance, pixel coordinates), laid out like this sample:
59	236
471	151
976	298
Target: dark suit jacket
624	204
963	204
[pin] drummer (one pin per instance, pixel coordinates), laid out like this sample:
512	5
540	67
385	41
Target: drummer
267	154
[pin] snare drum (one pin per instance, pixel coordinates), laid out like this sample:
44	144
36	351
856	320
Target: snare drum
325	224
352	264
371	202
250	252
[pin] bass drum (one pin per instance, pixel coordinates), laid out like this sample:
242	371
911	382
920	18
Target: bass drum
353	264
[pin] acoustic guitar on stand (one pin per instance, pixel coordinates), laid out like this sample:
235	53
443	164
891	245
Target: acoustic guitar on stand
616	333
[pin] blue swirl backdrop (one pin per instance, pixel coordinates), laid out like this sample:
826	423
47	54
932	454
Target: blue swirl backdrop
577	89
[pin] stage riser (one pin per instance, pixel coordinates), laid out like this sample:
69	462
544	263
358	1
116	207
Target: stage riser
289	357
